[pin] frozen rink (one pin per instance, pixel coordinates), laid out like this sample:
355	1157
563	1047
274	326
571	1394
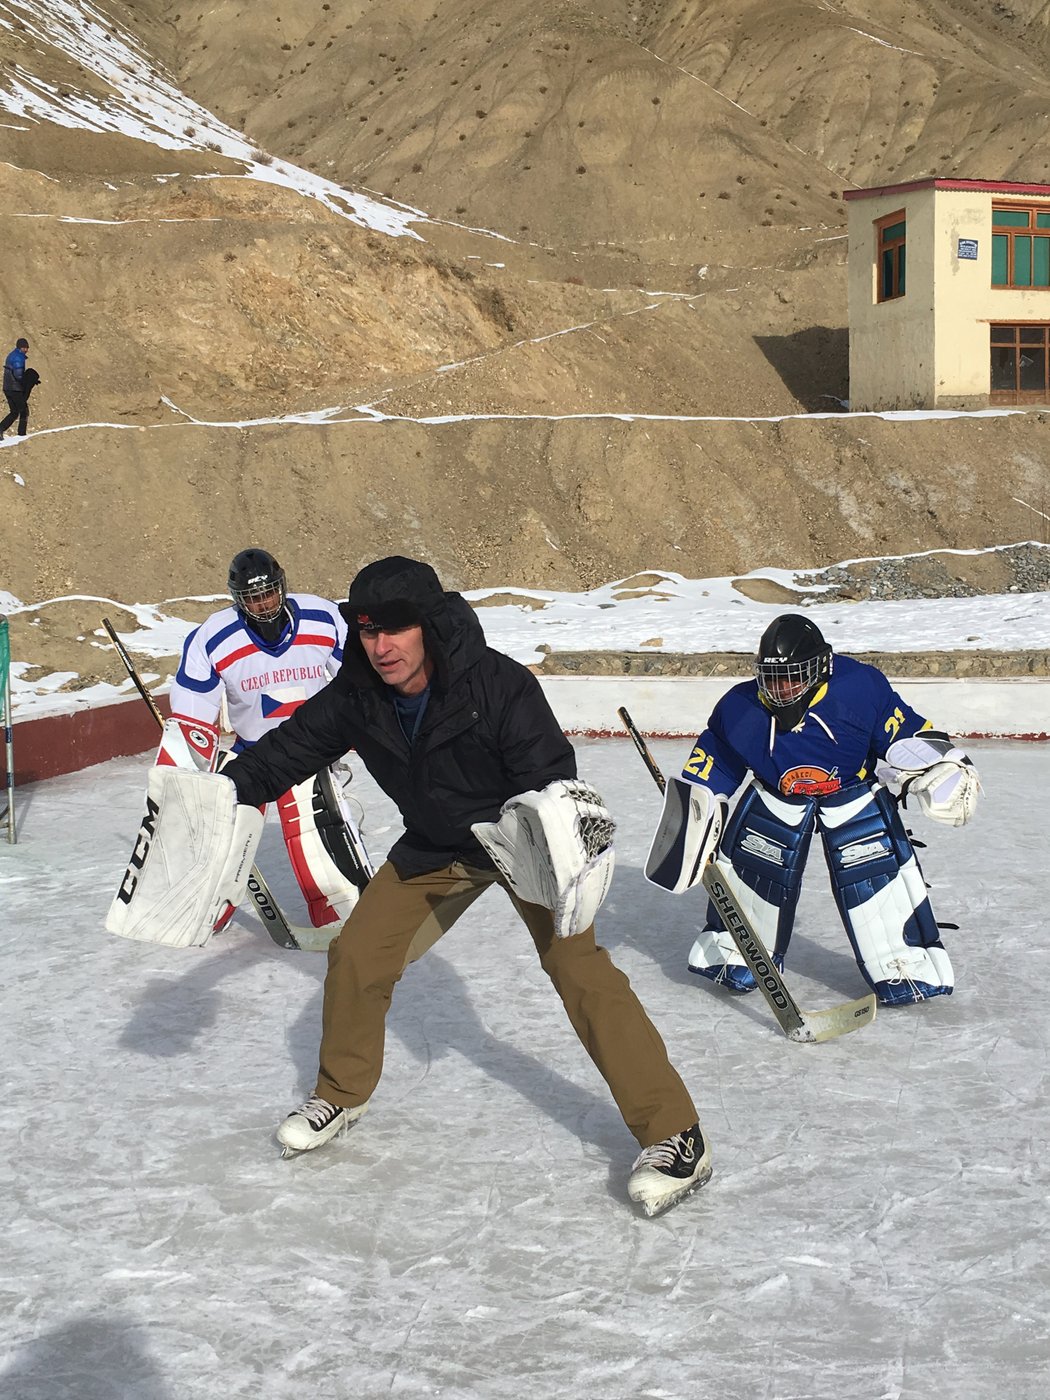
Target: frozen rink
877	1226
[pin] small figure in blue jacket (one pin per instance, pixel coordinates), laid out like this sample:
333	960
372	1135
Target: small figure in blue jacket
15	388
830	746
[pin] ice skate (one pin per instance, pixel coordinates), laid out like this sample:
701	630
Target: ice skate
669	1170
314	1124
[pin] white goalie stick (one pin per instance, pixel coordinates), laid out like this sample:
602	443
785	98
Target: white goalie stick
805	1027
283	932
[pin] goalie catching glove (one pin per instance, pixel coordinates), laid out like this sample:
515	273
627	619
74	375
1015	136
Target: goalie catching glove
940	777
191	859
555	849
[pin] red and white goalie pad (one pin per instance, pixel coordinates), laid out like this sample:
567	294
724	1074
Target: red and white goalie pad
940	776
325	848
188	743
192	857
555	849
687	837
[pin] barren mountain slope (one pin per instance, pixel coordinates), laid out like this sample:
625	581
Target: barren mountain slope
630	209
626	119
879	91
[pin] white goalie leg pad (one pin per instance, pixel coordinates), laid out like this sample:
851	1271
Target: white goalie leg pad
687	836
877	928
876	922
322	838
192	857
555	849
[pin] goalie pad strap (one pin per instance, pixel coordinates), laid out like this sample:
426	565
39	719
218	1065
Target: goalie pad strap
191	858
687	836
555	849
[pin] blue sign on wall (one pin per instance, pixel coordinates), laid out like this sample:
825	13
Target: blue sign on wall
968	248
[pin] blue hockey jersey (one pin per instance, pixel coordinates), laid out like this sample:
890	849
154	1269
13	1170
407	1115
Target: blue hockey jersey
850	722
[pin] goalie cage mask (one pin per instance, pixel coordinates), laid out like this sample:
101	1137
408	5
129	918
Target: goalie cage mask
793	662
254	575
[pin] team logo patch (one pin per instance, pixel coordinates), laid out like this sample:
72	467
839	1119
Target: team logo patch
809	781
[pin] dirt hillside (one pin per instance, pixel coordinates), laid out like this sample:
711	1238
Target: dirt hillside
626	209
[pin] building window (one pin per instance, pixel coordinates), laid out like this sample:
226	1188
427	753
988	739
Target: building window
1020	364
890	231
1020	245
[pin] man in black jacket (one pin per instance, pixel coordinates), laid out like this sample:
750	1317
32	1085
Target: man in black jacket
451	729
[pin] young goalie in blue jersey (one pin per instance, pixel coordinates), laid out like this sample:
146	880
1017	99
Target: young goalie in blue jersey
830	747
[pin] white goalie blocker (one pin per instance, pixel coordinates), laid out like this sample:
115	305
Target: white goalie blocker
687	836
940	776
555	849
192	857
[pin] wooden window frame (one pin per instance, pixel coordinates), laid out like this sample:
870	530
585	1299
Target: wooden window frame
1011	233
895	247
1017	396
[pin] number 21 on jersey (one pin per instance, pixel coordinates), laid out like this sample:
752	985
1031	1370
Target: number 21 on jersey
699	764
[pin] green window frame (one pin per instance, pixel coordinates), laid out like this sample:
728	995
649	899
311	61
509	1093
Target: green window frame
891	253
1020	247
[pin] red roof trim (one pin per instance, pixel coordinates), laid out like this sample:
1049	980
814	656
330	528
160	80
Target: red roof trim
991	186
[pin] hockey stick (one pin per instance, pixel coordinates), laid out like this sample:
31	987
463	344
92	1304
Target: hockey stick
806	1027
283	932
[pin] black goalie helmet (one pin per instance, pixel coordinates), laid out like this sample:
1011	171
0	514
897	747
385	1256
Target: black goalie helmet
258	590
793	662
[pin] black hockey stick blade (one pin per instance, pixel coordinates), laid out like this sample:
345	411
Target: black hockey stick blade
805	1027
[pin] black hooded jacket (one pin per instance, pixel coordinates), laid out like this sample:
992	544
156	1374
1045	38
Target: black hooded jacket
487	734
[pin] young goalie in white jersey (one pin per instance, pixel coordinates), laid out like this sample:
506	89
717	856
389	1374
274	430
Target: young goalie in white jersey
265	655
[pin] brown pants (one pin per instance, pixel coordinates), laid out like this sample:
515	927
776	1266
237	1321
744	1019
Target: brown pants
396	921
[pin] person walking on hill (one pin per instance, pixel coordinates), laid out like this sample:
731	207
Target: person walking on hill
15	388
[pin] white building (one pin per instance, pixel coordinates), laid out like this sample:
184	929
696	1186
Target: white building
949	294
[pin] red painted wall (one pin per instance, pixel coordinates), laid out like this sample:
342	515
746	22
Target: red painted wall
55	744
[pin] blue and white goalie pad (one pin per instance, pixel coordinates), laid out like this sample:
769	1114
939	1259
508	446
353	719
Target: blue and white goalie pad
881	896
766	841
191	859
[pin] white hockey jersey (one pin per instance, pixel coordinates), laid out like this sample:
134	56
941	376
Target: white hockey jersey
263	684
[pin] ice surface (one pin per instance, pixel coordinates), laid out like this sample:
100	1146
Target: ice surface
876	1228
